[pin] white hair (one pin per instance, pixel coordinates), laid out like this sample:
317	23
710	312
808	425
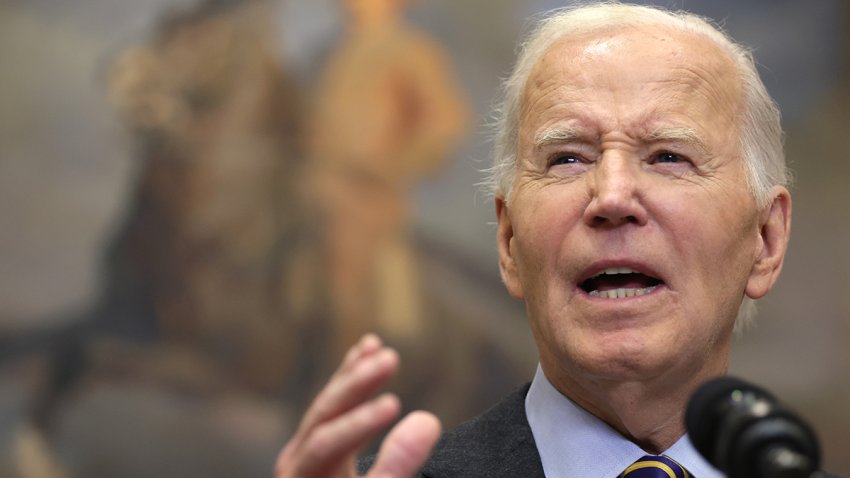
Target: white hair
760	129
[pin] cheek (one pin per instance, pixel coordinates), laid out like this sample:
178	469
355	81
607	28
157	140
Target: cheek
717	249
713	230
531	250
728	248
542	237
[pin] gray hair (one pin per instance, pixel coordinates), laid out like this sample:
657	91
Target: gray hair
760	129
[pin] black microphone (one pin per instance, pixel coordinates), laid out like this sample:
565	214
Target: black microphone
744	432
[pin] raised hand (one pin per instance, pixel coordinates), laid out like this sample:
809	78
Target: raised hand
347	414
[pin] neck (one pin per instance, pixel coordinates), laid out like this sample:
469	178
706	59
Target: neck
649	412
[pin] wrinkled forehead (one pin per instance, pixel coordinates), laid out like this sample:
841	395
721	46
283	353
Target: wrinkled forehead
685	63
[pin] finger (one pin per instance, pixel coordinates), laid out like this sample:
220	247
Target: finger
407	446
367	345
332	445
352	387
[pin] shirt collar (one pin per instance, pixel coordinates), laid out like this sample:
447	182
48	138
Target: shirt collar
573	442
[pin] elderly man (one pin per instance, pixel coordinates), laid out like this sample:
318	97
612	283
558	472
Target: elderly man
640	192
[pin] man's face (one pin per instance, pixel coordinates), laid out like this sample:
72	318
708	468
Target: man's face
631	232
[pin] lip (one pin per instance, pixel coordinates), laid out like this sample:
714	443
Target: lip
599	266
615	303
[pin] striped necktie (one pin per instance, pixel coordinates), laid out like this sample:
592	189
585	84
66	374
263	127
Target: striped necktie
655	466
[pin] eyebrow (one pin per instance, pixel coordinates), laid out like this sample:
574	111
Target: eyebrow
684	135
560	135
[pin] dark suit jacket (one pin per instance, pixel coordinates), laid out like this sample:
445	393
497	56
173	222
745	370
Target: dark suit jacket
497	443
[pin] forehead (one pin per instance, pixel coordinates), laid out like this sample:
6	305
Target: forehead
652	70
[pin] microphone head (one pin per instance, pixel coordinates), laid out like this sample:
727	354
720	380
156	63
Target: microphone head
738	427
709	404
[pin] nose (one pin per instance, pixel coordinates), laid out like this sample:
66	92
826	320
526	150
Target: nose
615	192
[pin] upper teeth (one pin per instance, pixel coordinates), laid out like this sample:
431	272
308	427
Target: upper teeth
618	270
621	293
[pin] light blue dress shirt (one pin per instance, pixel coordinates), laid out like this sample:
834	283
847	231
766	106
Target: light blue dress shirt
574	443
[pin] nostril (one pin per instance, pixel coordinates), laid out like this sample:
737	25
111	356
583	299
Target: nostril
602	220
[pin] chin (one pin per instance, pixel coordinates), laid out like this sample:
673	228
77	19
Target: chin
625	358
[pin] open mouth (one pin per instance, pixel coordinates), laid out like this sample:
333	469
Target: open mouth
619	283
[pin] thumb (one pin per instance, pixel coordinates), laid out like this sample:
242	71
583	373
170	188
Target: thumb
407	446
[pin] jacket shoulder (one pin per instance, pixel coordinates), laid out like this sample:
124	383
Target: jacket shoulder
497	443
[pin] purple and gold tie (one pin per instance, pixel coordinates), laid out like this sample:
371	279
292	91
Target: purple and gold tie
655	466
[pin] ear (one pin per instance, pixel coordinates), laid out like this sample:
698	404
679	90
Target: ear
774	232
505	242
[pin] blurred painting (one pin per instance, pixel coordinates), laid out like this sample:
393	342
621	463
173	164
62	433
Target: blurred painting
206	202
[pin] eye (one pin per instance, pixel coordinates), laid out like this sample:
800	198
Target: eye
667	157
564	159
